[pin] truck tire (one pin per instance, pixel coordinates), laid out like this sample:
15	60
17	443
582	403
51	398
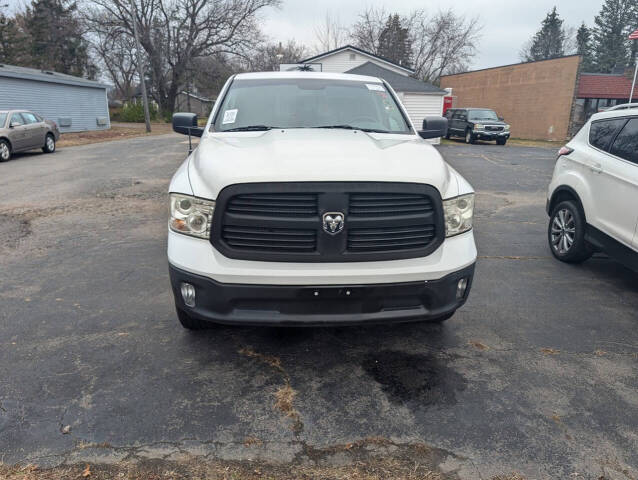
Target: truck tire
566	233
469	136
190	323
501	141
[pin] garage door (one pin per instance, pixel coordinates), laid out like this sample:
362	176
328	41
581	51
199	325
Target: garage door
419	106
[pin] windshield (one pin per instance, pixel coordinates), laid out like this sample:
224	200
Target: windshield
3	118
309	103
482	115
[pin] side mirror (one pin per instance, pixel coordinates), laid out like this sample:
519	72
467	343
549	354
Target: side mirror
186	124
501	119
15	124
433	127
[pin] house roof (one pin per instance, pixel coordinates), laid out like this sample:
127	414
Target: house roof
358	50
399	82
25	73
596	85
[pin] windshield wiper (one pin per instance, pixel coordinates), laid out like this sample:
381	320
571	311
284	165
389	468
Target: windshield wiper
350	127
250	128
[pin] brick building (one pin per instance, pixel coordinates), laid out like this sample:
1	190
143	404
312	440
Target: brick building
544	100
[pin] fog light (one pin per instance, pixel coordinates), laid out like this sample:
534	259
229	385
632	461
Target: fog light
188	294
460	288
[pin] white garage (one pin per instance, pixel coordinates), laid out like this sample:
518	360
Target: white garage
419	98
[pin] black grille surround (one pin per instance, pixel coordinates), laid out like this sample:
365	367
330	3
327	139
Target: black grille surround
283	222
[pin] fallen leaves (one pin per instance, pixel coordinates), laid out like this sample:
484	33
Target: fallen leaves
478	345
66	429
86	472
549	351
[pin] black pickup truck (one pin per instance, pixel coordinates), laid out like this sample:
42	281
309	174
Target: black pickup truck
476	124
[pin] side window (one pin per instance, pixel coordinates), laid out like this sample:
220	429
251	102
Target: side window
602	132
16	119
29	117
626	143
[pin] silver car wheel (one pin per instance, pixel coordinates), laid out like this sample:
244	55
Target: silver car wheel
4	151
50	143
563	233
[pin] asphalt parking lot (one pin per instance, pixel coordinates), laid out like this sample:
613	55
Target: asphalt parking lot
537	374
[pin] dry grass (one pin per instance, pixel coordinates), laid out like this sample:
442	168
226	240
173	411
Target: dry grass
374	469
117	132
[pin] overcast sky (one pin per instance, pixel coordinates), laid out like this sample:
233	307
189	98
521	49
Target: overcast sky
507	24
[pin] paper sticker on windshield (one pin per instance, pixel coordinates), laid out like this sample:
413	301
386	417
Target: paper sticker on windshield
230	116
375	86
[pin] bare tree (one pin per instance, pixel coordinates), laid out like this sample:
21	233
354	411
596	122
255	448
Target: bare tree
330	33
442	43
173	33
268	57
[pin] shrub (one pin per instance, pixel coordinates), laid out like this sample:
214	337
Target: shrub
134	112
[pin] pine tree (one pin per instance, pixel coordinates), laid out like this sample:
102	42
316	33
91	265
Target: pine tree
584	48
394	41
56	38
549	41
611	47
12	42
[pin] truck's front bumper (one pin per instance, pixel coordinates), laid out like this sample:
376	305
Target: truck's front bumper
484	135
342	304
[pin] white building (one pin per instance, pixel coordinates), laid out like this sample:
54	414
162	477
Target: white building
419	98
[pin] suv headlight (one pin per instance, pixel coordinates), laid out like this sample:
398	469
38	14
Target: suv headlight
191	215
458	214
478	126
507	127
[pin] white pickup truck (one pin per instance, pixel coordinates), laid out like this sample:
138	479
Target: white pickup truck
312	200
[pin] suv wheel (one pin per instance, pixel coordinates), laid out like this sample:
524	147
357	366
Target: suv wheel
5	151
469	136
49	144
501	141
566	233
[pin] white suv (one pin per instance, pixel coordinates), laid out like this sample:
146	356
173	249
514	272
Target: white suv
593	195
312	199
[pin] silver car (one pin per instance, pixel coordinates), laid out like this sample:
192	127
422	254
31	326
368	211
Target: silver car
21	130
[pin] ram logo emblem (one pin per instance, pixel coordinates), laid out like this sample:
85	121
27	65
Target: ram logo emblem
333	222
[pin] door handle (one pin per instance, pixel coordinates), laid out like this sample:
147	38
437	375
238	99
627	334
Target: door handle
596	168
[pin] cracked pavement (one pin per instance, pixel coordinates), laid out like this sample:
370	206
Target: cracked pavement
536	374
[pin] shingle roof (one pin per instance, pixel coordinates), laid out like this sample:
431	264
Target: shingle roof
399	82
596	85
356	49
46	76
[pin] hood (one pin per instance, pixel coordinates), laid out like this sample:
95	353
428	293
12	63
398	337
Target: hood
305	155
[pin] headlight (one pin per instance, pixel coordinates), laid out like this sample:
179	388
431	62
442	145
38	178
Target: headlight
191	215
458	214
478	126
507	127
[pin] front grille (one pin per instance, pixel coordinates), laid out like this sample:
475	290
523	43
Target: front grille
284	221
493	128
260	239
388	204
390	238
274	204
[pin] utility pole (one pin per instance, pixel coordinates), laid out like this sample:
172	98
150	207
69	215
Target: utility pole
634	37
140	68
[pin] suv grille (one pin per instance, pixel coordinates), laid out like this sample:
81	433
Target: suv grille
284	221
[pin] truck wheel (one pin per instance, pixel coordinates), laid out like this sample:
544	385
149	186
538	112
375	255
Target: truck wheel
469	136
189	322
566	233
447	135
5	151
49	144
501	141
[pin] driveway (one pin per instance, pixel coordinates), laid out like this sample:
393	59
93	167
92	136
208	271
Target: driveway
536	374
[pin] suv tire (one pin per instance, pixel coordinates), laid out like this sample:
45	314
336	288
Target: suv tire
501	141
49	144
566	233
5	151
469	136
190	323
